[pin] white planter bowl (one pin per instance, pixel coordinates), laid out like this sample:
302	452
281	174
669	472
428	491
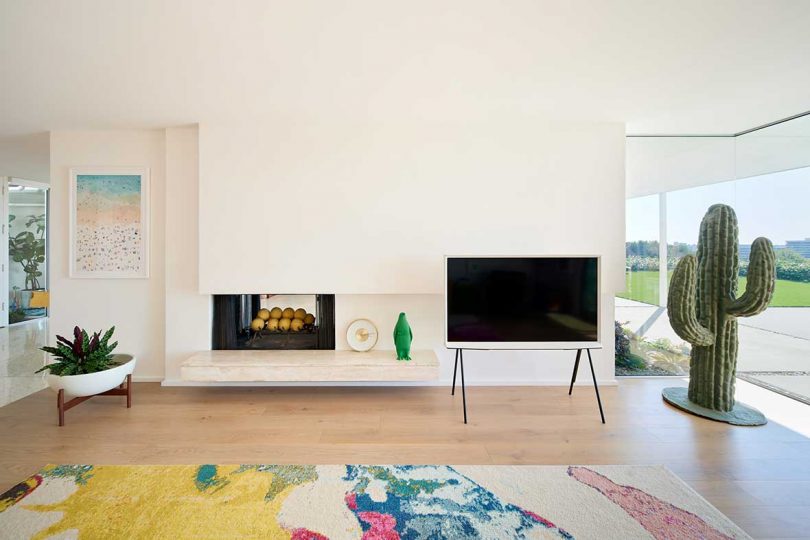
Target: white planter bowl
94	383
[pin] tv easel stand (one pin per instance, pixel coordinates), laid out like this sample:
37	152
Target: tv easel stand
460	360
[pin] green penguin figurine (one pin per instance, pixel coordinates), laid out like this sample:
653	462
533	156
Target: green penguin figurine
403	336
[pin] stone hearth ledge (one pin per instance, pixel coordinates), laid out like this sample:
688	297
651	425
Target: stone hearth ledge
308	366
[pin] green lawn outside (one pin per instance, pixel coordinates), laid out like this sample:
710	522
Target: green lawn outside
643	287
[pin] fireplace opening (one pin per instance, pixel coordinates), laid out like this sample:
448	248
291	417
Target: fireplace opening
274	321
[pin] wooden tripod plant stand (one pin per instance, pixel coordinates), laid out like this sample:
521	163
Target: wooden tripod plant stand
63	406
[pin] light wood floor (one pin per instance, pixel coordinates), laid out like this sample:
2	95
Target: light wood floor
759	477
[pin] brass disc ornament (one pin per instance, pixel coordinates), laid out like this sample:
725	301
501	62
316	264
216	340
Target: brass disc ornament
362	335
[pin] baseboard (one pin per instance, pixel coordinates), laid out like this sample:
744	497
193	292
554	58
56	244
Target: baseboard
147	378
179	382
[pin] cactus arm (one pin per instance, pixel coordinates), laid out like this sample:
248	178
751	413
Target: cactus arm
760	283
681	304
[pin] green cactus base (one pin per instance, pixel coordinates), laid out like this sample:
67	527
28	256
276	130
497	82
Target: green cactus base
740	415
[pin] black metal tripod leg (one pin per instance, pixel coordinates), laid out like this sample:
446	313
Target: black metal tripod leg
595	386
576	368
455	369
463	391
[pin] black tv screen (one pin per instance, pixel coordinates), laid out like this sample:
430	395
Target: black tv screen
522	302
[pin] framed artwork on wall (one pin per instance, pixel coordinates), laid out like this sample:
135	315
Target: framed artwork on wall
109	222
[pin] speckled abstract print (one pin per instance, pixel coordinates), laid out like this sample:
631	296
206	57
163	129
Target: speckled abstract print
109	231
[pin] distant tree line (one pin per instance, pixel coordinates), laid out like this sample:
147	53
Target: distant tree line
642	256
790	266
649	248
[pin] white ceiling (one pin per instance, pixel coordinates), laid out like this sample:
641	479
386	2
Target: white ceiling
671	67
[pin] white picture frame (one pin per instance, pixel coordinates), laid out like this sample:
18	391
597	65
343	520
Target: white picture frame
97	247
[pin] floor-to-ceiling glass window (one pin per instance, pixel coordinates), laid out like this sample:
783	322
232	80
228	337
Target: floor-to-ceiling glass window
766	179
641	250
639	306
775	345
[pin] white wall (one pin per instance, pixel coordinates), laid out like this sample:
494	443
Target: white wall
368	210
26	156
188	313
560	202
372	208
425	315
134	306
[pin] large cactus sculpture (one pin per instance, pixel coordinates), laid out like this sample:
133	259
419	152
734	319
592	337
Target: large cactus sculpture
703	308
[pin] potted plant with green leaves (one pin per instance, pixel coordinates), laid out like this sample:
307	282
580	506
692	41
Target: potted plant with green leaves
86	366
27	248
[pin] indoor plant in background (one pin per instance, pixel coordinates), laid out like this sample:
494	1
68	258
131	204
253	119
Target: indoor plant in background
86	365
703	308
28	249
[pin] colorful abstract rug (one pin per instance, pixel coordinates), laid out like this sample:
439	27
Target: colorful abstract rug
370	502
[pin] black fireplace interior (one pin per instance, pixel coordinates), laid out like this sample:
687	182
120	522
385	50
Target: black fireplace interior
238	317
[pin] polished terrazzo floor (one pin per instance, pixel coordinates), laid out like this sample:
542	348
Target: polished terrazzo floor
20	357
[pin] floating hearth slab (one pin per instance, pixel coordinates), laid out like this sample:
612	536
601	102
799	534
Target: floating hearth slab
308	366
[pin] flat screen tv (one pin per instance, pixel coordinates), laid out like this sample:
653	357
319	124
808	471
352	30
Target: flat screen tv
522	302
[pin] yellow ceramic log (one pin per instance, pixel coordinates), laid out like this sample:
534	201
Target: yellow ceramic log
257	324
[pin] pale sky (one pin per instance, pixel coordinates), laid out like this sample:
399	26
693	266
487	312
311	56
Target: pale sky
775	205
